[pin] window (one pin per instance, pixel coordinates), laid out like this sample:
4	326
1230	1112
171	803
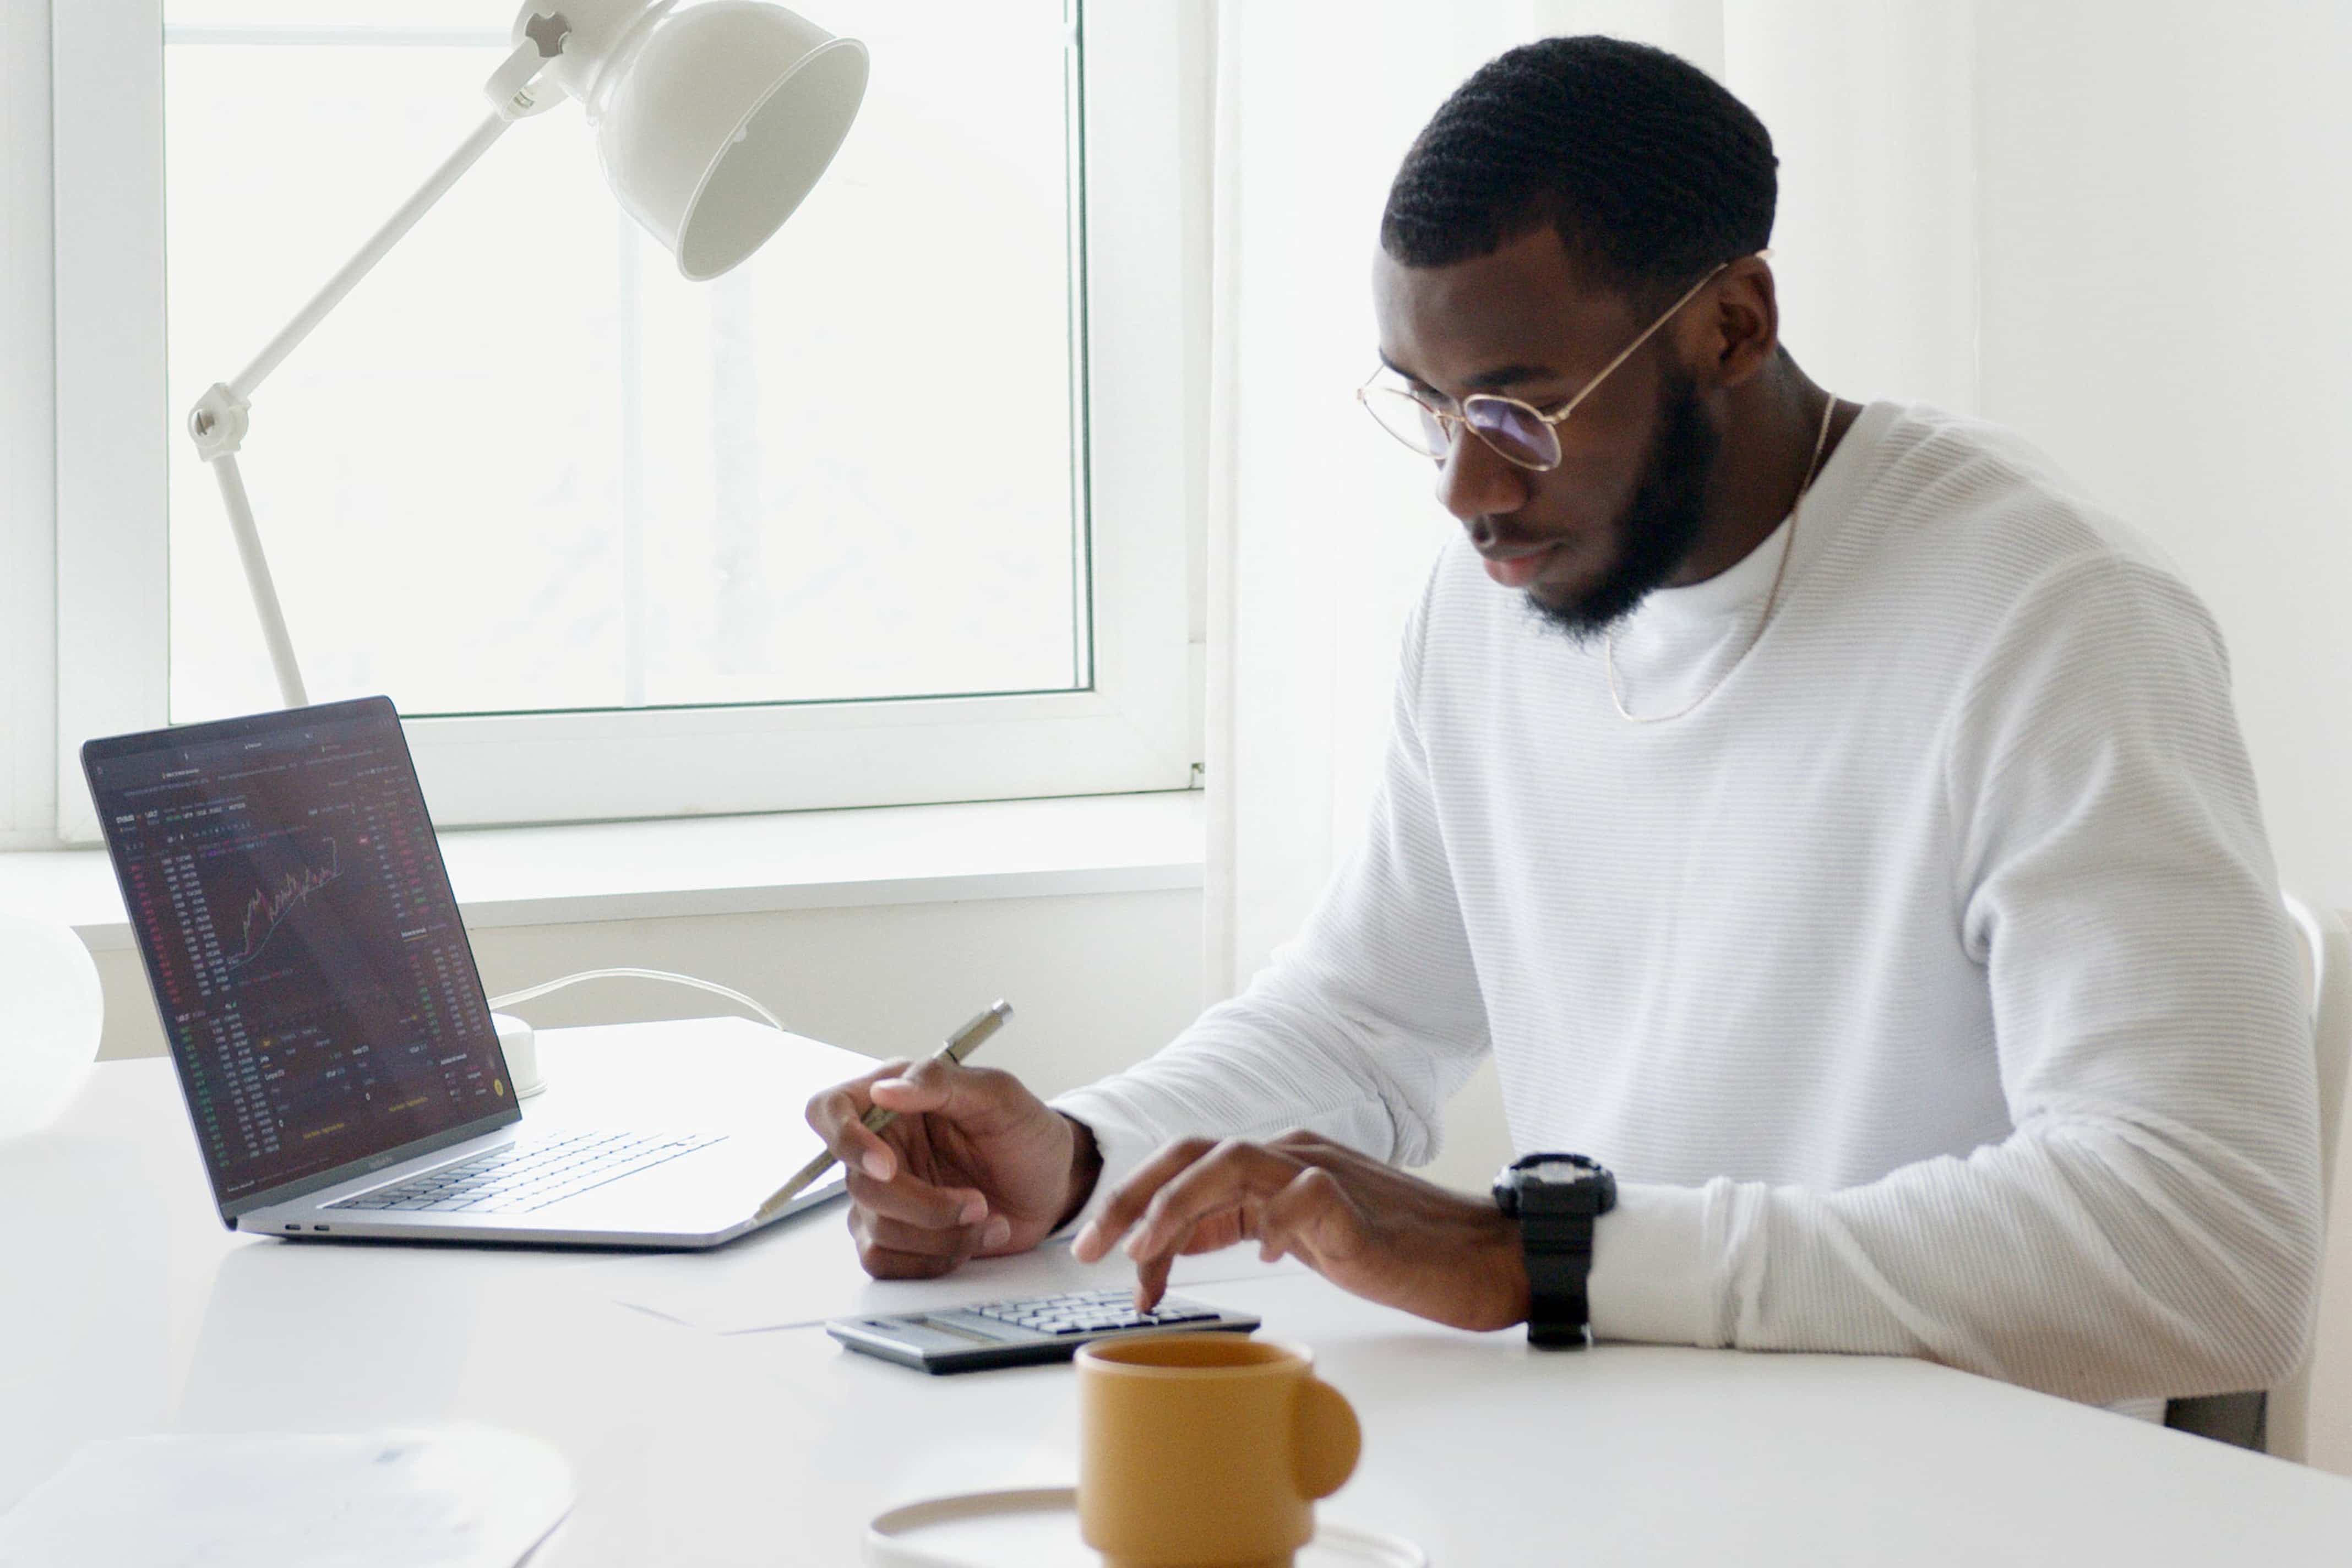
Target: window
896	511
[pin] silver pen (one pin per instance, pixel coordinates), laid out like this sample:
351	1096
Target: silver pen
960	1044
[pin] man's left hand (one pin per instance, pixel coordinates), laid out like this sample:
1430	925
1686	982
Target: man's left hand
1365	1227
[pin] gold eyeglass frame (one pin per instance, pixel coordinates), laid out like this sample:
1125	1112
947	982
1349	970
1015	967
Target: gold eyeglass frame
1447	419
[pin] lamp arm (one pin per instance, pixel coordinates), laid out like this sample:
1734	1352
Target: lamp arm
221	417
378	246
257	582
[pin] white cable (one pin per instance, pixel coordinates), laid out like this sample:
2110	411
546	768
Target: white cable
532	993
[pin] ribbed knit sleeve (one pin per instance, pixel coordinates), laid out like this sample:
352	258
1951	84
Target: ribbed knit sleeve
1361	1028
2151	1226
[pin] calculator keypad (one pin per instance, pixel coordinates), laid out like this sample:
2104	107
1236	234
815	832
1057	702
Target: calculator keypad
1091	1312
1024	1332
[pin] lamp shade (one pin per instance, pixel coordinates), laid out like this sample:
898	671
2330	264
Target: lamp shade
715	120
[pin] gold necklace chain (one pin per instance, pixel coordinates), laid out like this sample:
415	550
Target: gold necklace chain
1788	548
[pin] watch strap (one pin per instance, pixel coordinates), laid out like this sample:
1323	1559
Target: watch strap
1558	1248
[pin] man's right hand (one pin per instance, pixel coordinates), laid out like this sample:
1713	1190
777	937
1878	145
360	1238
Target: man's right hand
974	1166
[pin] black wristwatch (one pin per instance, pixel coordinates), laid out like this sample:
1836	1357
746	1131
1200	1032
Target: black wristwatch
1556	1198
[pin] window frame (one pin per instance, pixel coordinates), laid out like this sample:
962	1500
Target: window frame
27	436
1135	728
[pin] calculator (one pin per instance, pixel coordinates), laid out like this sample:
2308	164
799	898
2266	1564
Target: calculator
1014	1334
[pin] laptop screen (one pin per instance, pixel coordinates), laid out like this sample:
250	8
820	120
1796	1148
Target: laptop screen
304	948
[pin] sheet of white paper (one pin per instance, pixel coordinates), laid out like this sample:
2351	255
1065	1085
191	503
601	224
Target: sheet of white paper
805	1269
447	1498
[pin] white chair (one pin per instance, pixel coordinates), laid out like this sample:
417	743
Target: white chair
2328	952
51	1015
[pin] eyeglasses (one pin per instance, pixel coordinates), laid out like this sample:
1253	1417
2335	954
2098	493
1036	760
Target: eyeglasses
1518	432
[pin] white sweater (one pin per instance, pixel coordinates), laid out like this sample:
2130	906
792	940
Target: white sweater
1928	988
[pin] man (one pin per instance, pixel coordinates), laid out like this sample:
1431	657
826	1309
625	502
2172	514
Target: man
1829	819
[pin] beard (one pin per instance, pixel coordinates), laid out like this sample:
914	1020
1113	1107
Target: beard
1659	526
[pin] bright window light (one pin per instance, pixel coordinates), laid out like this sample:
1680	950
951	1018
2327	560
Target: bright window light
527	468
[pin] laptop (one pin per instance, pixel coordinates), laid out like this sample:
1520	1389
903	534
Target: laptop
335	1048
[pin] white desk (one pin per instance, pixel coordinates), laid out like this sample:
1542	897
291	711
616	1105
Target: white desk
126	1307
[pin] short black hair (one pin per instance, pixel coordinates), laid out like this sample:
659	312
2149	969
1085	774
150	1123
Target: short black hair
1649	169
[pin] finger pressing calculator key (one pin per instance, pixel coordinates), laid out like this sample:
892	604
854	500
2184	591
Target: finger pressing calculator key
1014	1334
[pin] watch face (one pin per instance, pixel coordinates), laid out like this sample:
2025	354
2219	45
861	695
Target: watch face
1561	1172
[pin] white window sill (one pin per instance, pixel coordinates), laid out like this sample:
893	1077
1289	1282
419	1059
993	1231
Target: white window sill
740	865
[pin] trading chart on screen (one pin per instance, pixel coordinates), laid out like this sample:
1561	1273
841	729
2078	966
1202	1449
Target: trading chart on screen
305	951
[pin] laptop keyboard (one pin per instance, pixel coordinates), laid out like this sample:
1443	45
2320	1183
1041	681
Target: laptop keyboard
523	1176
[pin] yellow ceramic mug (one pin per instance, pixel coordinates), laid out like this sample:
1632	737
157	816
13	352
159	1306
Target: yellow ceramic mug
1206	1450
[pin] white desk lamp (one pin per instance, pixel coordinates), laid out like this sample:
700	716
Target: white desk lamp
713	121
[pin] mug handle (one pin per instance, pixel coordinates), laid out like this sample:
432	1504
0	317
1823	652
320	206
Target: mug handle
1325	1440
